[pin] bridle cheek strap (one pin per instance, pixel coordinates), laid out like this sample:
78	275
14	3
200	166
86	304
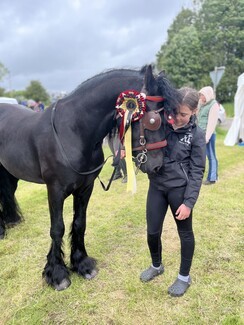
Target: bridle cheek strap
152	146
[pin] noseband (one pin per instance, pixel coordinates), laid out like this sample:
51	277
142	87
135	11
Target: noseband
133	105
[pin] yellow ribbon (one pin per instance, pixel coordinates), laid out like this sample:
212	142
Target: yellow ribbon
131	177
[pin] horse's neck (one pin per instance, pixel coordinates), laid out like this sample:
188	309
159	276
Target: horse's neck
88	122
92	106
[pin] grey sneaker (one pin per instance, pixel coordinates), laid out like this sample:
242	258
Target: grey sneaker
179	287
150	273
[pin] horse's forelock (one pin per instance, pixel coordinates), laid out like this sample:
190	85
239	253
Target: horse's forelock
169	92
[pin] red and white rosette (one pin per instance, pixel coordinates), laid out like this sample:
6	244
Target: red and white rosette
130	106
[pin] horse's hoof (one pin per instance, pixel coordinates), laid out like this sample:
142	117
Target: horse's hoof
1	236
91	275
64	284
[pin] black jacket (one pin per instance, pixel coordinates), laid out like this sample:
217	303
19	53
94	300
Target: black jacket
184	161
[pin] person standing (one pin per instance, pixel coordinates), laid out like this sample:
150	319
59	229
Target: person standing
39	107
176	185
121	170
207	120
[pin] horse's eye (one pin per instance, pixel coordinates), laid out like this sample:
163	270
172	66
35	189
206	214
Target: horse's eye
152	120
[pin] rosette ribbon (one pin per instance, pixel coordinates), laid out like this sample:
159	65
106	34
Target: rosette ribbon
130	106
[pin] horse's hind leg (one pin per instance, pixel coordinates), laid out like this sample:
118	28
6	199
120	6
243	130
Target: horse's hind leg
10	214
2	226
80	262
55	271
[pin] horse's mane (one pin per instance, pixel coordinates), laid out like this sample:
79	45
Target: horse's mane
166	88
105	73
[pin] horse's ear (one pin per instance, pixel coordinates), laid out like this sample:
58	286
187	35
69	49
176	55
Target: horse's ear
149	80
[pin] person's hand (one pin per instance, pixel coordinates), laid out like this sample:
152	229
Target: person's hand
122	153
182	212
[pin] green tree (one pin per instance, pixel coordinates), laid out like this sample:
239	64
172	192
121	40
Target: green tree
185	18
211	35
3	71
2	92
36	91
179	58
221	26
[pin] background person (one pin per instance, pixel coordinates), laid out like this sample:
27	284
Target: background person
177	186
121	170
39	107
207	120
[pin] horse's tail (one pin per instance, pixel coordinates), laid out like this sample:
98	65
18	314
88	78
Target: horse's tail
10	213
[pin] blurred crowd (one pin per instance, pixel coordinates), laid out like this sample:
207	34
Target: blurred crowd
36	106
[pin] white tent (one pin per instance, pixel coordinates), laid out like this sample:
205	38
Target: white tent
236	130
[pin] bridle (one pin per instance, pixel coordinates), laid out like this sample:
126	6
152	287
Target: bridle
131	107
150	121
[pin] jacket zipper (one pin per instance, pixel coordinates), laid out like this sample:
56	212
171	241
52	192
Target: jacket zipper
181	165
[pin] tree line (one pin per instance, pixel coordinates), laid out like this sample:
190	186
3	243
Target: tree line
211	35
208	36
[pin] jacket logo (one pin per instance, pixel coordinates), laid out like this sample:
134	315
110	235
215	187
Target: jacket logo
186	139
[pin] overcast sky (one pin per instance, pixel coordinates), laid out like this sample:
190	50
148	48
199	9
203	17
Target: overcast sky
62	43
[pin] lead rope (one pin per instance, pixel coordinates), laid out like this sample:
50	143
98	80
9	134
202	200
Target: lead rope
115	164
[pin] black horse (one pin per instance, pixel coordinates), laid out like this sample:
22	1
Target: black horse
62	148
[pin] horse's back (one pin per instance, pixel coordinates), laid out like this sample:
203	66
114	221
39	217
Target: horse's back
20	135
13	110
17	122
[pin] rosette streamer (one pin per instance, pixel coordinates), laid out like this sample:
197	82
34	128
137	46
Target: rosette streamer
131	106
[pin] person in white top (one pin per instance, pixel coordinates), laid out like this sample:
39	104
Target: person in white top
207	119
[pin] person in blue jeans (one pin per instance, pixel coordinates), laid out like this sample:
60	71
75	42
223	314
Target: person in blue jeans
207	120
176	186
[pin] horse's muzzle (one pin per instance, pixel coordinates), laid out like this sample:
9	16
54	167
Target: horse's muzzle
151	165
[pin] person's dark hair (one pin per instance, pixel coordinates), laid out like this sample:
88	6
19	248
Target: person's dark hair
189	97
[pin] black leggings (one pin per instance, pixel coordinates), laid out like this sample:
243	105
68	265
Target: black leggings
157	205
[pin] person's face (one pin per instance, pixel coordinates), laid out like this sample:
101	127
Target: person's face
202	99
183	116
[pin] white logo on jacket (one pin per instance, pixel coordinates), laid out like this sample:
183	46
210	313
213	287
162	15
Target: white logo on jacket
186	139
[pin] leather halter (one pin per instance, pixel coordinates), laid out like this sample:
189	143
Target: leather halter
151	146
150	121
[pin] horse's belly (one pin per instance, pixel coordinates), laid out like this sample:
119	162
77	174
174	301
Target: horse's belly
25	177
18	169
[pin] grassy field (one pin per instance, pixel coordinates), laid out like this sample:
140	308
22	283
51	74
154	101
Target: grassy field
116	237
229	109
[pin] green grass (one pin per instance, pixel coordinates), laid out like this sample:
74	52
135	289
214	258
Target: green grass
229	109
116	237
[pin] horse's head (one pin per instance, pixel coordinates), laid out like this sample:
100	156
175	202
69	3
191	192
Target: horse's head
148	115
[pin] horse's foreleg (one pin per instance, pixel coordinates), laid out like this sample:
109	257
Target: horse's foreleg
80	262
10	214
55	271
